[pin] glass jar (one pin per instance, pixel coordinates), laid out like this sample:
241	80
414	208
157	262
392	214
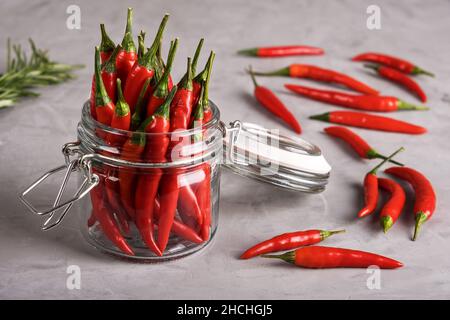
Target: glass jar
134	206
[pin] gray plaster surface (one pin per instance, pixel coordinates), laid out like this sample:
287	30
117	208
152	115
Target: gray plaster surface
33	264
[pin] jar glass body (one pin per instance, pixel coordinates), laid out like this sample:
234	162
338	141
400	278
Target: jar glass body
147	206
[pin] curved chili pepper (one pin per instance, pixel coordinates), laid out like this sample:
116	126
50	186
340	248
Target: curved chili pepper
321	74
162	88
143	69
394	206
360	102
328	257
369	121
104	107
425	202
199	81
107	46
148	182
178	228
288	241
400	78
271	102
113	201
371	188
393	62
127	56
139	111
121	118
107	223
282	51
362	148
188	205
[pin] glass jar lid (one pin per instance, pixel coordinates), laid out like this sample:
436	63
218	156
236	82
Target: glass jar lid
268	156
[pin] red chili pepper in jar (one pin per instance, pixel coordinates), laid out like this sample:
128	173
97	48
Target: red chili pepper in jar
394	206
393	62
271	102
113	200
425	202
320	74
400	78
121	119
139	111
104	107
360	102
107	46
328	257
371	188
196	86
362	148
109	74
143	69
199	81
148	182
162	88
288	241
281	51
369	121
106	221
127	56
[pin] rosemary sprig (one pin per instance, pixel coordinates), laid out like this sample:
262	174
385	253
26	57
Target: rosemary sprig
23	75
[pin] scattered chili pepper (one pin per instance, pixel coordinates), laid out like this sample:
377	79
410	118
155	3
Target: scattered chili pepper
107	223
425	202
107	46
121	118
271	102
360	102
288	241
139	111
127	56
393	62
394	206
357	143
369	121
328	257
321	74
282	51
400	78
162	88
143	69
148	182
104	107
179	228
371	188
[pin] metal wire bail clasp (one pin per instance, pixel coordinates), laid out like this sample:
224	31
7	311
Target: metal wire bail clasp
81	163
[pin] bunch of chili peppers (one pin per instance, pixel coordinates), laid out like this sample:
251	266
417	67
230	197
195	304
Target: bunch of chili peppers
133	91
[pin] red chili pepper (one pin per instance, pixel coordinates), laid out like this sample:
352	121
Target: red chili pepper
148	182
107	46
179	228
162	88
288	241
109	74
282	51
362	148
425	202
188	206
132	150
400	78
113	200
127	56
139	111
328	257
104	107
371	188
369	121
199	81
196	82
360	102
143	69
121	118
181	108
321	74
393	62
394	206
271	102
107	223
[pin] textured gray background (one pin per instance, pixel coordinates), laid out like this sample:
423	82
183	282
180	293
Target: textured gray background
33	264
